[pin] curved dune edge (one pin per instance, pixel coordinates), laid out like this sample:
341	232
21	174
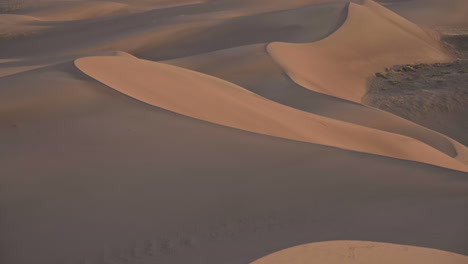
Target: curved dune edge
252	68
342	252
371	38
214	100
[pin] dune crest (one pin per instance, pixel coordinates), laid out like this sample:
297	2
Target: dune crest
371	39
362	252
211	99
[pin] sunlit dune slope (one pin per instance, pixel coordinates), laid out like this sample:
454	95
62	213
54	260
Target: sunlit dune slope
218	101
371	39
252	68
344	252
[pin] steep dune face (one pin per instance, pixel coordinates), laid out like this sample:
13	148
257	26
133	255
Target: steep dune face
371	39
252	68
214	100
344	252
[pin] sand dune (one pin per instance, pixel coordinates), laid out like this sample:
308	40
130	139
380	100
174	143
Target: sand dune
389	40
361	252
252	68
214	100
222	131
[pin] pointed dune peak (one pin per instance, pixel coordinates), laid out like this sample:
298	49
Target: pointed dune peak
217	101
371	38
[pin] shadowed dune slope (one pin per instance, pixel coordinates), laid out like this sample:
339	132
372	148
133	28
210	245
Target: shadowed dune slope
298	25
169	33
70	10
211	99
371	39
15	66
344	252
146	185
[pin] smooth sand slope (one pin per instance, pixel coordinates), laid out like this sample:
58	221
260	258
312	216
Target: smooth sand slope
214	100
111	152
371	39
146	185
343	252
